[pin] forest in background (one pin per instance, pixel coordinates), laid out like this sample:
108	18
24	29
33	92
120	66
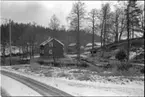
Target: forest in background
103	25
27	33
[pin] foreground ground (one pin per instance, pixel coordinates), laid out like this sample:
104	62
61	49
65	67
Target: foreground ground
80	81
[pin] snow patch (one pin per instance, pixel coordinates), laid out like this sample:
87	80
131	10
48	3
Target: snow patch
87	88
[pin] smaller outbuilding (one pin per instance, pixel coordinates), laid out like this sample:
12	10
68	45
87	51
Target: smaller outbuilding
89	46
72	48
52	47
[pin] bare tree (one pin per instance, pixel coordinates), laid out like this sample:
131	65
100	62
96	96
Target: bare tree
62	27
54	25
105	16
93	14
132	13
76	16
141	19
118	22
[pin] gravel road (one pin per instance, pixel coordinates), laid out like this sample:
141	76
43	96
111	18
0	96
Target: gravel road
39	87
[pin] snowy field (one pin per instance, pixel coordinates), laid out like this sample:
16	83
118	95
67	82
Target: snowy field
81	82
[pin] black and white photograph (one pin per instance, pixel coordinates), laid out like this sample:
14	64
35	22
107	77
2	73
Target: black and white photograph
72	48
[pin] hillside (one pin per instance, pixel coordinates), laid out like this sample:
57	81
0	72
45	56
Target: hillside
136	51
136	42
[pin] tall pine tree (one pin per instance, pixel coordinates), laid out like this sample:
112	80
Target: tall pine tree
132	16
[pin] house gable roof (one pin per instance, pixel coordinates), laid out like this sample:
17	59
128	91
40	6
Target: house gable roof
50	39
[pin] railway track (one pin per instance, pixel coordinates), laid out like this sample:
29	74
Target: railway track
39	87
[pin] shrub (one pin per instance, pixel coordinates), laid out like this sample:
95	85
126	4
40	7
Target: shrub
124	66
16	68
24	61
83	77
56	64
114	63
41	62
120	66
83	65
63	74
142	70
48	74
121	55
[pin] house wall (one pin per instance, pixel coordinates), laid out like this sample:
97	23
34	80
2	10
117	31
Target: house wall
53	48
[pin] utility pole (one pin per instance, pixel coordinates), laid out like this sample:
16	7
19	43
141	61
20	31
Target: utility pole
93	36
10	40
128	30
4	43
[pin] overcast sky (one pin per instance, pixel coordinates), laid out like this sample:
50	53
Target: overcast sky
41	11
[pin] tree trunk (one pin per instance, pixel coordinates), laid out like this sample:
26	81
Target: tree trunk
93	37
128	31
3	53
53	49
120	36
102	35
78	36
104	42
116	35
132	31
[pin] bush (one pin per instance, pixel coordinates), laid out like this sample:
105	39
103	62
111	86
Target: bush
120	66
16	68
48	74
84	77
83	64
114	64
56	64
41	62
24	61
142	70
63	74
121	55
124	66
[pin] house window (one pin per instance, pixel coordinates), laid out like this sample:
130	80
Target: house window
50	51
51	44
42	52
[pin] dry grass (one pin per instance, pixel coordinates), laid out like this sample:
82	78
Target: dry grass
63	74
48	74
83	77
93	73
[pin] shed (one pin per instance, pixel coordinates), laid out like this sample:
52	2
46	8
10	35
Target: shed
72	48
52	47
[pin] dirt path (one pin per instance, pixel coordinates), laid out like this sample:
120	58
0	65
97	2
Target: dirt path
87	88
4	93
41	88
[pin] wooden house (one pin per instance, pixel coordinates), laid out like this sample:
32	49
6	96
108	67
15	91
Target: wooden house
52	47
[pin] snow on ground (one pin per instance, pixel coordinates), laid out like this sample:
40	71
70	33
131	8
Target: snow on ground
85	88
15	88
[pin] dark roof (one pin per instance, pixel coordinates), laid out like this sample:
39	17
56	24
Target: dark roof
49	39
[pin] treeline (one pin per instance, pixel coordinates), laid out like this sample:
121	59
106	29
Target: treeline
23	34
